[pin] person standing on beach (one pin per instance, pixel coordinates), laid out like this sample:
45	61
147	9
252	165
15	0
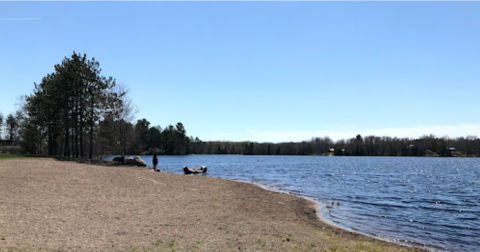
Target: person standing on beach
155	162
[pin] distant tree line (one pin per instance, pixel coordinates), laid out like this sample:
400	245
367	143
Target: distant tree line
358	146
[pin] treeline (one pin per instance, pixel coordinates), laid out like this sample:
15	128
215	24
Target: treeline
77	112
143	139
358	146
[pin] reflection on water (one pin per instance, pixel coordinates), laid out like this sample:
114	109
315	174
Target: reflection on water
433	201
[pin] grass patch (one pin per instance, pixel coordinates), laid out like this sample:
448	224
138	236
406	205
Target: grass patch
158	243
262	243
171	245
168	244
10	156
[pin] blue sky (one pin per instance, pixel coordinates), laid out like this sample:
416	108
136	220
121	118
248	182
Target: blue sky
264	71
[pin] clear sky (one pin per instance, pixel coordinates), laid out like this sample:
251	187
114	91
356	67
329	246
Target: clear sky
264	71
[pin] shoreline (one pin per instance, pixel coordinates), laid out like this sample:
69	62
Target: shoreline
51	205
323	219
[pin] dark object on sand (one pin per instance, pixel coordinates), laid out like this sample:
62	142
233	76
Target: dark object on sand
202	169
137	161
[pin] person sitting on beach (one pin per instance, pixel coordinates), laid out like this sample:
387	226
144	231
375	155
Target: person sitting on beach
155	162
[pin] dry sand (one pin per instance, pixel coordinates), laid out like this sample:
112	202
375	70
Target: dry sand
52	205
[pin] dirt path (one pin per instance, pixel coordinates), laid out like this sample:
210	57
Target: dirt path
52	205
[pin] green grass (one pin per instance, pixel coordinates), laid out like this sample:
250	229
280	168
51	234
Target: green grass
170	244
9	156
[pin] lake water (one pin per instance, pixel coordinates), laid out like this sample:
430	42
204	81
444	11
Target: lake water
417	200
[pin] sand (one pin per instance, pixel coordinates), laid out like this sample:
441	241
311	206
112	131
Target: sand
51	205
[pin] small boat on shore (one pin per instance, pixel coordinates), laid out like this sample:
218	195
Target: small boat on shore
187	170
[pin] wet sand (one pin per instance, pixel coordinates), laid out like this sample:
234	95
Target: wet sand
52	205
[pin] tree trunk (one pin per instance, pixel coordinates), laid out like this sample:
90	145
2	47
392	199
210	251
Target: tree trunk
81	140
92	122
76	126
66	150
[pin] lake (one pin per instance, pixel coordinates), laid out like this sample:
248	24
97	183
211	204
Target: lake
416	200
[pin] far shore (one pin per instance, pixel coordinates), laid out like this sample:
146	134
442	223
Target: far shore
48	205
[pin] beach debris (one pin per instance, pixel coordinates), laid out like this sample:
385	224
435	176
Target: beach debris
137	161
140	161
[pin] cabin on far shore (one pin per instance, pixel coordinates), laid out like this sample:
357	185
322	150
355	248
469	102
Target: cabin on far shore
338	152
451	152
330	152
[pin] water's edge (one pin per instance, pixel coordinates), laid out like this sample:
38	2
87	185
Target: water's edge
323	219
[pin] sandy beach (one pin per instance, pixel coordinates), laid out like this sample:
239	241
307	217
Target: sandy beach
48	205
